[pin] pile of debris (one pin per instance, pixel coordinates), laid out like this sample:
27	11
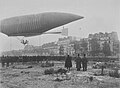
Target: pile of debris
114	73
111	69
98	65
53	71
22	67
47	64
59	74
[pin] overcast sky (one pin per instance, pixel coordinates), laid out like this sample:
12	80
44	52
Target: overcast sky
99	16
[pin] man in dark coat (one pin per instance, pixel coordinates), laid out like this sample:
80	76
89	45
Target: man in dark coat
68	62
78	62
84	62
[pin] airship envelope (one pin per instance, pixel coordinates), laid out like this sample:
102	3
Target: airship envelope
31	25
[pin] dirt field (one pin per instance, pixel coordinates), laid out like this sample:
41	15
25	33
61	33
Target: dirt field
22	77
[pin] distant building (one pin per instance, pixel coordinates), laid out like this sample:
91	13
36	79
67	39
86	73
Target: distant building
111	38
84	46
12	53
52	47
66	43
29	47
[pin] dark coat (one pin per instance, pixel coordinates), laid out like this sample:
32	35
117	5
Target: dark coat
78	62
84	60
68	62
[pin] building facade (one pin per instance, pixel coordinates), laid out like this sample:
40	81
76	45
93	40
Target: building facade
66	42
110	38
52	48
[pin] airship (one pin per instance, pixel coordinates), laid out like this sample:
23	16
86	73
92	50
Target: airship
35	24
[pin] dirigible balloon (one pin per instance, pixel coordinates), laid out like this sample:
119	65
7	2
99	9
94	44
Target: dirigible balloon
31	25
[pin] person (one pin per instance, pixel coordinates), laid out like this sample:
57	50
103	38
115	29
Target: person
84	62
7	61
68	62
78	62
3	61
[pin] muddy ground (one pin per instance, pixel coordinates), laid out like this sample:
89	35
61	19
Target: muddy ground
22	77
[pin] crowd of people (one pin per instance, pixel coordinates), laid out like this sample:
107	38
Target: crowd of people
6	61
81	62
